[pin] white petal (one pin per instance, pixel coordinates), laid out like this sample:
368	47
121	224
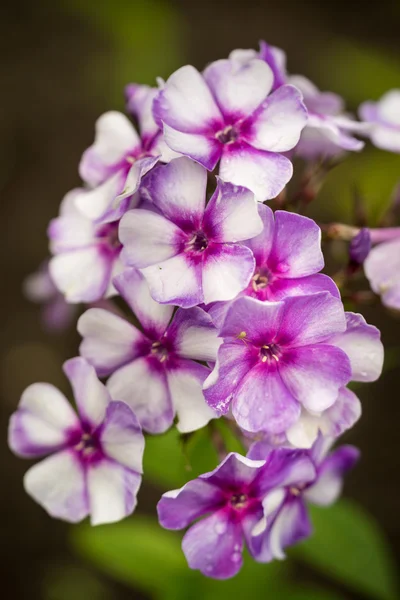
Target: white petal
92	397
121	437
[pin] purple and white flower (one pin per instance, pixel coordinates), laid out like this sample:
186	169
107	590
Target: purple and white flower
230	499
96	458
86	254
227	114
286	521
383	121
382	266
188	252
329	129
279	359
288	260
114	165
155	371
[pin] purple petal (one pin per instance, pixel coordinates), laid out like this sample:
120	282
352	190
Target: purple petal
153	317
329	483
112	491
251	319
142	384
311	319
262	401
185	382
186	103
296	248
178	189
214	546
227	270
148	238
262	243
231	214
342	415
235	472
58	484
362	344
302	286
91	396
291	526
194	335
70	232
314	374
284	468
139	103
42	422
264	173
360	246
233	363
121	437
382	268
175	281
239	88
178	508
276	59
201	147
323	103
277	124
115	137
108	340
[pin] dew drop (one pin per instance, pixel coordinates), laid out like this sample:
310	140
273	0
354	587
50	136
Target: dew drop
236	556
220	528
236	547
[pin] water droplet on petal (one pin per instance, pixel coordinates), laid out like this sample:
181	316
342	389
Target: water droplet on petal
236	557
220	528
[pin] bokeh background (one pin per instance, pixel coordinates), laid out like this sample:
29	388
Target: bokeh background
61	65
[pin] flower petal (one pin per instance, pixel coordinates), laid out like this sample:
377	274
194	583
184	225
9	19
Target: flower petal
262	402
178	189
231	214
382	268
314	374
92	397
277	124
153	317
70	232
214	546
238	87
194	335
142	384
108	340
42	422
112	491
139	103
301	286
121	436
264	173
291	526
95	203
227	270
362	344
235	472
251	319
261	244
204	149
58	484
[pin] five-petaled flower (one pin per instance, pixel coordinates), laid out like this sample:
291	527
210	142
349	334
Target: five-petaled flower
383	121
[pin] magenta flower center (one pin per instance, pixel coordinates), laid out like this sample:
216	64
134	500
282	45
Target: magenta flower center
109	235
227	135
270	353
259	281
238	501
159	351
197	243
88	446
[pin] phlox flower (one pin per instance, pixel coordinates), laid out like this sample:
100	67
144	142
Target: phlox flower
96	458
382	266
288	259
279	359
230	499
86	254
383	121
188	252
329	129
286	521
227	114
155	371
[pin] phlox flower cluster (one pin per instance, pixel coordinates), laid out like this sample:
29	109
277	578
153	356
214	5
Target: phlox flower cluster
222	310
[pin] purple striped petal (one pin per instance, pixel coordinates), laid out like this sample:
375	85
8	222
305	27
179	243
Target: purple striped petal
235	472
251	319
201	147
194	335
302	286
261	244
227	270
291	526
139	103
121	437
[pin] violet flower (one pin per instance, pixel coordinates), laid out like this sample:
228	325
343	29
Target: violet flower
382	267
190	253
383	121
96	461
230	500
227	114
280	358
155	371
288	257
86	254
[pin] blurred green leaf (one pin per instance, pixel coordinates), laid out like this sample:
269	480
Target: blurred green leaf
232	443
137	552
311	594
349	546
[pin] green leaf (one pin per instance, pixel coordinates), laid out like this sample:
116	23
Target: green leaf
311	594
137	552
349	546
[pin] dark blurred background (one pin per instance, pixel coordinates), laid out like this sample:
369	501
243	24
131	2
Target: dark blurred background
64	63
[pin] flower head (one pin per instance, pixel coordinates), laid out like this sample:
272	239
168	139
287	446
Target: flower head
96	461
382	268
155	371
232	497
383	121
191	253
227	114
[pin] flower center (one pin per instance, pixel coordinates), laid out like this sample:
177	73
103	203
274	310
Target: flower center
269	352
227	135
259	281
198	243
87	445
238	501
109	234
159	351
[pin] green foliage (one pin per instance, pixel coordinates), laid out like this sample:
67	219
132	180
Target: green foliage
348	546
